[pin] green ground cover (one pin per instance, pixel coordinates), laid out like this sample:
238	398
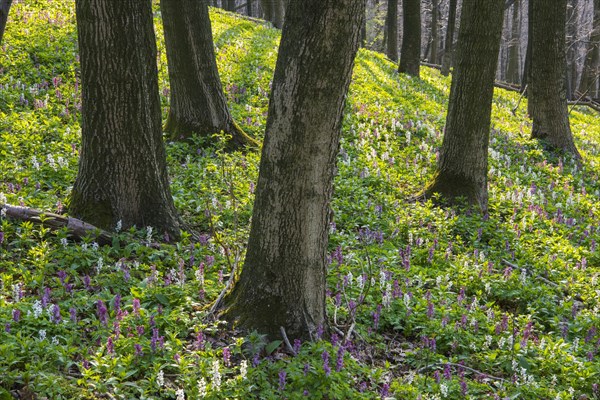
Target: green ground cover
441	303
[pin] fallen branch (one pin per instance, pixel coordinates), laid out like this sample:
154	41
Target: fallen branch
541	278
77	228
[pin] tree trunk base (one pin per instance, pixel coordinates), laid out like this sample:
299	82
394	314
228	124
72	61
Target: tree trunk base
239	139
448	189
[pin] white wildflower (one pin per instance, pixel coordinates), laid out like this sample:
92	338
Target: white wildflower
216	375
180	394
202	388
37	308
64	243
149	234
199	276
16	292
488	341
243	369
42	334
55	340
35	163
95	246
406	299
160	378
119	226
99	264
444	389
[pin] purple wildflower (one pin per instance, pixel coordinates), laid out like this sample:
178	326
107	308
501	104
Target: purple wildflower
385	390
46	297
140	330
297	345
199	343
138	350
56	314
447	371
326	368
16	314
340	359
282	376
7	327
226	356
102	312
87	282
136	307
73	314
110	347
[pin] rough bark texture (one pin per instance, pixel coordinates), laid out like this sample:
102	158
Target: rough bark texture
282	283
462	169
198	104
122	170
4	9
572	46
512	73
547	86
591	66
449	40
410	55
392	30
229	5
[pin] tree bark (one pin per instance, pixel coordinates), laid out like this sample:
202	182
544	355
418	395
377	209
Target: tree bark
449	41
591	66
274	12
198	104
283	281
547	87
410	55
4	10
392	30
229	5
249	8
512	73
462	169
435	39
572	48
122	170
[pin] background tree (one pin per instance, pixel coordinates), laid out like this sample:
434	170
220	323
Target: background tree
463	164
435	37
4	9
274	11
547	85
591	67
122	169
410	56
392	30
198	104
283	282
449	40
513	74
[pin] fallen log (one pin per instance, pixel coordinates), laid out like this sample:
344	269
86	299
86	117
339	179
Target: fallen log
77	228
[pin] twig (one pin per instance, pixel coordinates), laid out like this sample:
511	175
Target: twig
514	110
541	278
428	367
287	341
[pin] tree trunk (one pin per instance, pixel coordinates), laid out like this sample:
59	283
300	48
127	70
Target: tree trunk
512	73
547	89
198	104
229	5
462	169
526	76
591	66
274	11
122	170
249	8
4	9
283	281
392	30
410	56
572	46
434	31
449	44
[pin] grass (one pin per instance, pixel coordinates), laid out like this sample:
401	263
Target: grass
441	303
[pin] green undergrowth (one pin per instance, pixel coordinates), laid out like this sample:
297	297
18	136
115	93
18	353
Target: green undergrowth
439	302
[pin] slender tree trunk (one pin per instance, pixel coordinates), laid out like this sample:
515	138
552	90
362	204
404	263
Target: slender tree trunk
572	46
274	11
363	30
122	170
4	9
198	104
435	39
547	91
392	30
249	8
591	66
410	56
512	73
283	282
526	76
463	164
229	5
449	45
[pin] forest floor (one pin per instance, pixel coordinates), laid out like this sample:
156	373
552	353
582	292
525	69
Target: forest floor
425	302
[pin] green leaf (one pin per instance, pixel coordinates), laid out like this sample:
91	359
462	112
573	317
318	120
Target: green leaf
162	299
271	347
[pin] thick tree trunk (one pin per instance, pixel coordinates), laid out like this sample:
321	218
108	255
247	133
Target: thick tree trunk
198	104
462	169
449	41
410	56
512	73
122	170
591	66
547	89
435	39
283	281
4	9
392	30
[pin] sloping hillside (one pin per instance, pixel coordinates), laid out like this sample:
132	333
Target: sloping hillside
436	303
